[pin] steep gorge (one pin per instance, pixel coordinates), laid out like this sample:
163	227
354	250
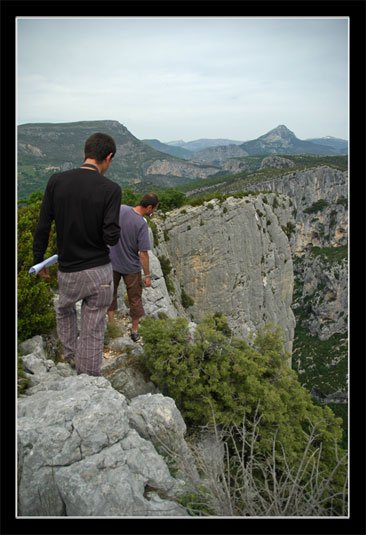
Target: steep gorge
272	257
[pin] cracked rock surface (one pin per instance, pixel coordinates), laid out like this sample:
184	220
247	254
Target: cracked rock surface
78	454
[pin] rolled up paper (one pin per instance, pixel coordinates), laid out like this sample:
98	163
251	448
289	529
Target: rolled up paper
46	263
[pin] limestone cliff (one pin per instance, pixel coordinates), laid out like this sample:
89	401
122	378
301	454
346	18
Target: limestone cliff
244	257
234	257
180	168
319	197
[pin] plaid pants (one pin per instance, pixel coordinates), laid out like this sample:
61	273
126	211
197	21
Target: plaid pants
95	287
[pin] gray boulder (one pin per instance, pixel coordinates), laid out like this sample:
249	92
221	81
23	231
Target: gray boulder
125	374
79	450
157	418
43	373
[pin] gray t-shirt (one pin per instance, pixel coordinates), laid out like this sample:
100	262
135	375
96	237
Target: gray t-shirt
134	237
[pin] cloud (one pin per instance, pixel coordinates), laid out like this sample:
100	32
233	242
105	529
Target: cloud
176	77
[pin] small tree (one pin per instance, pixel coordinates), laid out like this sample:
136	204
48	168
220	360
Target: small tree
171	198
129	196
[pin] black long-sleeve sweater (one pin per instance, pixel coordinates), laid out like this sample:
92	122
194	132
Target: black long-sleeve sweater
85	206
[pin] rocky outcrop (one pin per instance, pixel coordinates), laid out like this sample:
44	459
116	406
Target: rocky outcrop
219	155
323	295
319	198
276	162
124	369
239	165
180	168
234	257
82	448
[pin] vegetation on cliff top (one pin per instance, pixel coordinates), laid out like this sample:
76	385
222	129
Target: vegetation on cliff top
211	374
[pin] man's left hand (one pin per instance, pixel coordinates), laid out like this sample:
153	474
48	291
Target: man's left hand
147	281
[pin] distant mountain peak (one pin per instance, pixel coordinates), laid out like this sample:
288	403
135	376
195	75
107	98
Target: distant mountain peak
281	132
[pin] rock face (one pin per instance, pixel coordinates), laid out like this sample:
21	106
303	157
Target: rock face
219	154
81	450
180	168
319	199
156	299
277	162
324	295
234	258
123	370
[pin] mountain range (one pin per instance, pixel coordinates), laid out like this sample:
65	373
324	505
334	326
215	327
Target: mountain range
44	148
280	140
202	144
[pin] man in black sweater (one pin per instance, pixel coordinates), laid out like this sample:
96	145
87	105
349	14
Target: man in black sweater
85	207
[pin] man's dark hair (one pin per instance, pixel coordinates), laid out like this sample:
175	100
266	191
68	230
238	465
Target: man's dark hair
149	199
98	146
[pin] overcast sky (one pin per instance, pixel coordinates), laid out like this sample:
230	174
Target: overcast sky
186	78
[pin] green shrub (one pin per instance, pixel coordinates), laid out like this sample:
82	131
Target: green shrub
36	314
289	229
215	373
166	268
130	197
171	198
187	301
343	201
316	206
155	231
22	380
331	254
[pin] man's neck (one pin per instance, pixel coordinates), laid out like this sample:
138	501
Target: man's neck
93	162
139	210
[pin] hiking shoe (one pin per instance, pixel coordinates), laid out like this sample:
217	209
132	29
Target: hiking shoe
135	337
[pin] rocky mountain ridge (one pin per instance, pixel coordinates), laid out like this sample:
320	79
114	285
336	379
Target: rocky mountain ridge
45	148
280	140
202	144
330	141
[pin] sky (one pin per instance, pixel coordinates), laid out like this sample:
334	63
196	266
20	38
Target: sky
184	78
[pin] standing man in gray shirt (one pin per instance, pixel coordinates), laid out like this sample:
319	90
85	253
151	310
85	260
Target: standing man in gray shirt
130	254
